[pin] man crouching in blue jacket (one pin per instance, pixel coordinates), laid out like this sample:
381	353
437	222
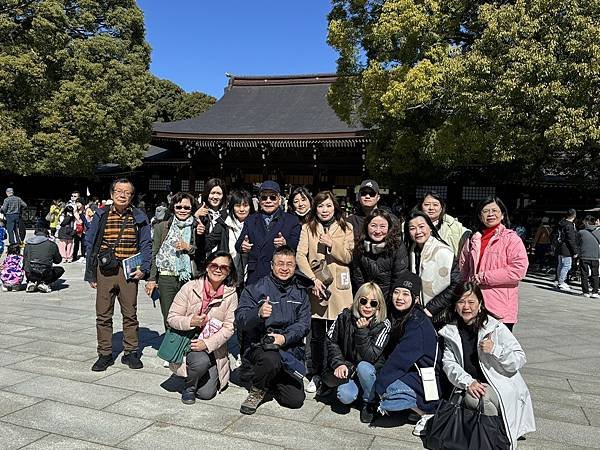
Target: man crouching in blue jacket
273	316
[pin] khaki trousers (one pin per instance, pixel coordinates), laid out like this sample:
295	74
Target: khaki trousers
109	287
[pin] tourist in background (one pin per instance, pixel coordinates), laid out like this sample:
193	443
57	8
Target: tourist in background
542	243
368	201
496	260
66	233
589	256
567	248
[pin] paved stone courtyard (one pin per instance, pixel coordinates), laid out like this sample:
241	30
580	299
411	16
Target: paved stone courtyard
50	399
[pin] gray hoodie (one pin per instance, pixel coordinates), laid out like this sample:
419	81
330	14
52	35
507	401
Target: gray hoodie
40	248
590	243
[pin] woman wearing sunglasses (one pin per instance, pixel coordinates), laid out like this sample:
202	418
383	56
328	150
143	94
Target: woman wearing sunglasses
173	248
324	255
207	304
355	349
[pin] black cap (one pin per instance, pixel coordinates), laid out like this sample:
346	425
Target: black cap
372	184
270	185
408	280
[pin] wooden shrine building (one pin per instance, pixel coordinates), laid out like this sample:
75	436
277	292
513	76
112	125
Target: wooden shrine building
277	127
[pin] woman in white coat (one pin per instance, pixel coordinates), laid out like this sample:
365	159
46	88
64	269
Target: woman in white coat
483	357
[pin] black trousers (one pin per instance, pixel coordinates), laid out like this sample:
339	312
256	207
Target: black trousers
78	242
589	271
318	353
49	276
268	374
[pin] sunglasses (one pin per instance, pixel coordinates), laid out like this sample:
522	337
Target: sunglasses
184	207
374	303
214	267
368	192
271	197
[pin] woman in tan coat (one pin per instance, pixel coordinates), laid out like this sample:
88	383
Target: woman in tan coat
324	254
207	303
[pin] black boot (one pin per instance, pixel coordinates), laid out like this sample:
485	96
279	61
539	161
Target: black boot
188	396
367	412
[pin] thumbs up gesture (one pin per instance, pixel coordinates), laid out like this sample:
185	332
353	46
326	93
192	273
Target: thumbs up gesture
279	240
264	312
326	240
246	245
487	344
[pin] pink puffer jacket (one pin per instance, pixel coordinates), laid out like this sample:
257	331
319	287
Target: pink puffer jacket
503	265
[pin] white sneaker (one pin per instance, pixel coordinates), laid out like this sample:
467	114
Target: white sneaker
564	287
585	294
166	364
594	296
312	385
31	286
43	287
4	288
419	429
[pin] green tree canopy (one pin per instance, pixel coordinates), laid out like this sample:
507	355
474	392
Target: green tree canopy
452	83
173	103
75	89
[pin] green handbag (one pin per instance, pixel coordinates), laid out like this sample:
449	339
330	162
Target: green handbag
176	344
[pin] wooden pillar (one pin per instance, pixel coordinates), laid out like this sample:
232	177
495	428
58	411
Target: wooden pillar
316	178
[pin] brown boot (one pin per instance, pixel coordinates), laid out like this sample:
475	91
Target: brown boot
251	403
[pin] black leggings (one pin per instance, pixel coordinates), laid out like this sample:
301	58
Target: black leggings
318	353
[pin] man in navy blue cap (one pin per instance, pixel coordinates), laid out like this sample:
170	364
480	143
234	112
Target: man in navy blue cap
266	230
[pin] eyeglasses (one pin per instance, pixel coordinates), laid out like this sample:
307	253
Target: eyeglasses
491	211
213	267
374	303
184	207
281	264
272	197
368	193
120	192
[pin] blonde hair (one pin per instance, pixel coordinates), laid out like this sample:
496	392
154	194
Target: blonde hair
375	291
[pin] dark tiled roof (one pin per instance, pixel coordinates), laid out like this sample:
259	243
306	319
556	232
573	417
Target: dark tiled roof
284	106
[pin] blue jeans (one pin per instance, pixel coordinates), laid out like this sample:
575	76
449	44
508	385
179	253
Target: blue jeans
397	397
12	228
365	372
564	265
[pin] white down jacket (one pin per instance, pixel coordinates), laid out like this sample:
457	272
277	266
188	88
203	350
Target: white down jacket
501	368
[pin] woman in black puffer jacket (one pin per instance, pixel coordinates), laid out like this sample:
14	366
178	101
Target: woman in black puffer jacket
380	254
355	344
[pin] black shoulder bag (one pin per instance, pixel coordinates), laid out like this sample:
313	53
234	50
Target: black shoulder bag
107	259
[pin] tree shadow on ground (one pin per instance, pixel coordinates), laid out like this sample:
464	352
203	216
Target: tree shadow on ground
147	338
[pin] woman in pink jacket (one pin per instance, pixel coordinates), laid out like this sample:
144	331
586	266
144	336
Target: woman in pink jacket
208	304
496	260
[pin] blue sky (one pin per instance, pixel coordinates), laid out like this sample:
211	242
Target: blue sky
194	42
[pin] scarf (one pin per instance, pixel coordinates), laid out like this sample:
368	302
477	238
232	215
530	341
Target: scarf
208	294
486	236
170	260
213	216
374	247
328	223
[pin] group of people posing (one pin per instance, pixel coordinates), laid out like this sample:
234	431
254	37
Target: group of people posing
393	310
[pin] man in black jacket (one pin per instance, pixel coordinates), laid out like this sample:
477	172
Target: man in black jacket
38	257
274	317
568	248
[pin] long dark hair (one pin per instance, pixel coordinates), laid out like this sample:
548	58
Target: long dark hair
210	184
438	197
493	199
231	279
338	214
392	241
482	316
398	320
237	198
413	215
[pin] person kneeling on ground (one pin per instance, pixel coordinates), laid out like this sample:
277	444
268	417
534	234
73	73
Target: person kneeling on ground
274	317
39	255
483	357
412	342
355	347
208	303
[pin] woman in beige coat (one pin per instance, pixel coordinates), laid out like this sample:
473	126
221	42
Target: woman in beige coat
324	254
209	304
